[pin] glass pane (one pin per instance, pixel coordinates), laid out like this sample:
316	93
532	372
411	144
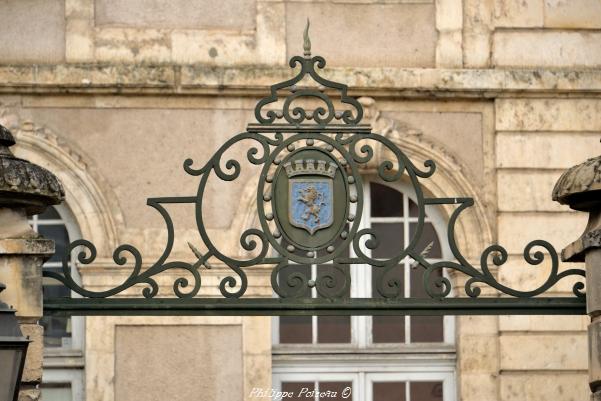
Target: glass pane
416	275
301	391
57	393
428	237
388	329
333	329
427	329
60	237
57	331
335	391
49	214
295	330
53	290
391	240
389	391
425	391
385	201
413	209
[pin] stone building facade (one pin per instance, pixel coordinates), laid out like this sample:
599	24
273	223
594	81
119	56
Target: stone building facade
112	96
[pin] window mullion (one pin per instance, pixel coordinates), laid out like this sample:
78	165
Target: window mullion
406	265
365	276
361	388
313	276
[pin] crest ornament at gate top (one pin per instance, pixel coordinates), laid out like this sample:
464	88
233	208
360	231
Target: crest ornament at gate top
310	145
310	200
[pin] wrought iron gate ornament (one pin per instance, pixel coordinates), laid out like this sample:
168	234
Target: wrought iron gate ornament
309	204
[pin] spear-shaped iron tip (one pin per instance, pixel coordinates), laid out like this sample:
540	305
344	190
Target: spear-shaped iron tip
307	41
200	256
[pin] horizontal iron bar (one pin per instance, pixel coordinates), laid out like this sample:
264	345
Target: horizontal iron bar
314	306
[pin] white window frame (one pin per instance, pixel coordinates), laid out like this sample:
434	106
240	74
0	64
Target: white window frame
73	378
447	379
65	365
363	374
323	376
434	216
362	361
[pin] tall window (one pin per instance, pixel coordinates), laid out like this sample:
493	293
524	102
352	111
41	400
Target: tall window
380	358
63	336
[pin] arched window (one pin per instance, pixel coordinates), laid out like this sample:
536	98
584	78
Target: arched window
63	336
380	358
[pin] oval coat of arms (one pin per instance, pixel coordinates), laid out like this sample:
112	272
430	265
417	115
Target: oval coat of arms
310	199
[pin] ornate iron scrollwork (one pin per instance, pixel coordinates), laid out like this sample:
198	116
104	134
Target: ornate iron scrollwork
309	203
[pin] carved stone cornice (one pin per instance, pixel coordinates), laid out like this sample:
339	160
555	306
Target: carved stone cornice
253	80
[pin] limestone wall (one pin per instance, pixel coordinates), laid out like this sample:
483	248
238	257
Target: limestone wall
394	33
117	94
533	136
545	33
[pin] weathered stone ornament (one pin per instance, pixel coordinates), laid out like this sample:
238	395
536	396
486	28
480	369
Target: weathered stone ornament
24	184
580	188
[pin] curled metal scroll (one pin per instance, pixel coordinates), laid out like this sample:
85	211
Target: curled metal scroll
347	149
298	115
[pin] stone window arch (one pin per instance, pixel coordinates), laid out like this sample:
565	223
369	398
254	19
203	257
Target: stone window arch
89	198
90	211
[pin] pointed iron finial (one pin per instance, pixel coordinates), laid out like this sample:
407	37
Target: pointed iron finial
307	43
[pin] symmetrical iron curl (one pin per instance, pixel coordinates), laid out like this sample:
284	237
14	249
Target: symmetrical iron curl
348	147
299	115
265	242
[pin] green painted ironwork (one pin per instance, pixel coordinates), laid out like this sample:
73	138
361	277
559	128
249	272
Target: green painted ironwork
324	147
315	306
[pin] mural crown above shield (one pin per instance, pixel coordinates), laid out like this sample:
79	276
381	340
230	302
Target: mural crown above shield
310	167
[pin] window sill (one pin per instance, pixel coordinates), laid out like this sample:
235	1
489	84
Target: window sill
416	348
364	362
69	360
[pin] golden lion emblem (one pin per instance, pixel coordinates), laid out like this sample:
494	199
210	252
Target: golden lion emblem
313	201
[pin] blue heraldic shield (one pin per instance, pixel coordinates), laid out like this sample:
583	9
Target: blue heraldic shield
311	193
311	202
